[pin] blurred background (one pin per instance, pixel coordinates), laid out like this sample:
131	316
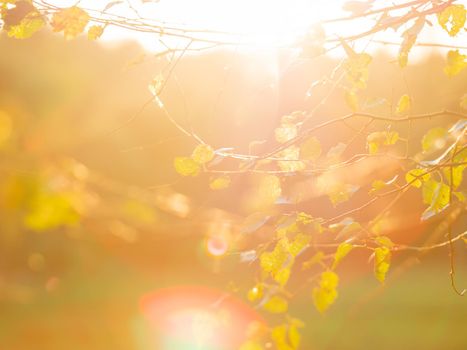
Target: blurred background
104	246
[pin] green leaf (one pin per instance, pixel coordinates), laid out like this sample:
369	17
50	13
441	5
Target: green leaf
382	263
342	250
434	139
415	177
326	293
456	62
455	16
202	154
276	305
436	194
404	104
71	21
186	166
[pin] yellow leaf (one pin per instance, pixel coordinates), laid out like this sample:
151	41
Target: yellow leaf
269	189
71	21
279	336
29	25
273	261
356	68
377	139
404	104
220	183
95	32
294	336
339	192
276	305
415	177
285	132
282	276
299	243
291	163
455	16
382	263
434	139
384	241
186	166
456	62
202	154
256	293
310	149
326	294
342	250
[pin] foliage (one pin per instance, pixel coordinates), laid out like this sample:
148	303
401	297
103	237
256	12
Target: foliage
431	166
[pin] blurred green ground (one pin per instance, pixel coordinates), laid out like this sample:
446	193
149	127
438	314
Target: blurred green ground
418	310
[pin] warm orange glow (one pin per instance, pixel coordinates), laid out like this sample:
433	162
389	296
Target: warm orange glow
196	317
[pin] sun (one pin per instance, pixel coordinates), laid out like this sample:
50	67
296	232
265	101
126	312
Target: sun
252	23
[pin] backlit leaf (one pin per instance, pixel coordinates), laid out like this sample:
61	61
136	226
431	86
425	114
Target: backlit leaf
356	68
381	138
404	104
279	336
434	139
452	18
342	250
28	26
382	263
310	149
71	21
416	176
202	154
326	293
456	62
256	293
292	162
276	305
186	166
436	194
269	189
95	32
285	132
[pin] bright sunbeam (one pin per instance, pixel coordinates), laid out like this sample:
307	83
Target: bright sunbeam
259	23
